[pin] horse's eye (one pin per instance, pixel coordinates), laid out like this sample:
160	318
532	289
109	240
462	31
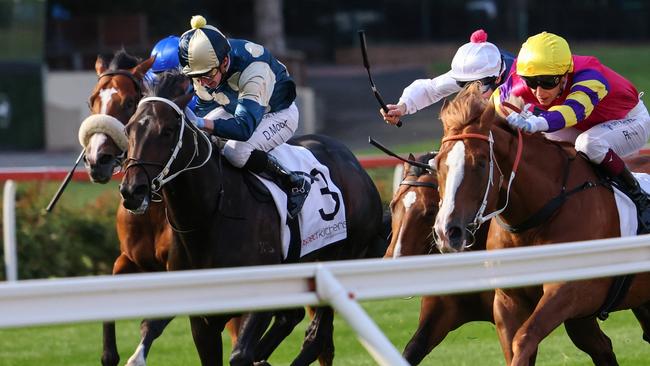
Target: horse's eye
168	132
482	164
129	103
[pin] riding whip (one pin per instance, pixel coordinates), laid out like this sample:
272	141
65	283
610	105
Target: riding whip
383	148
366	64
64	184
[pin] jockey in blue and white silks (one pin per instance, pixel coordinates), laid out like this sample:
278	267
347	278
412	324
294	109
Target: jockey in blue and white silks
246	96
477	60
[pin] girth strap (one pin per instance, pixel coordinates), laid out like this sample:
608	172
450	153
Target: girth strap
615	295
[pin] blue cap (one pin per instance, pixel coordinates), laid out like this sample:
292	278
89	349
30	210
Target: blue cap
166	52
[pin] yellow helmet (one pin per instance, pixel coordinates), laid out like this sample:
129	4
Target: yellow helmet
544	54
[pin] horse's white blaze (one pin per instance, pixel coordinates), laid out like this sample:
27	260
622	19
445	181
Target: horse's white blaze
105	95
96	140
143	120
455	167
409	199
397	251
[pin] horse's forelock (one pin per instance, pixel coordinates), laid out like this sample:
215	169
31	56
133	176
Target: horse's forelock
467	106
123	61
170	85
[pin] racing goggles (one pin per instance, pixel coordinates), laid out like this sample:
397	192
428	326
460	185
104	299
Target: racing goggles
485	81
544	81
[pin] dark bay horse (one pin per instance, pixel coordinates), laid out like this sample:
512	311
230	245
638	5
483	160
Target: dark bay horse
219	223
478	154
144	239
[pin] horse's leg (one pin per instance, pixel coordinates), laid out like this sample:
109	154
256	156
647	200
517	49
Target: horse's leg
589	338
509	314
439	315
642	314
251	330
110	355
206	332
150	329
233	330
559	302
283	323
318	338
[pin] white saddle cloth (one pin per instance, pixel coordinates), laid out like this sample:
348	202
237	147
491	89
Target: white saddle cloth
626	208
322	219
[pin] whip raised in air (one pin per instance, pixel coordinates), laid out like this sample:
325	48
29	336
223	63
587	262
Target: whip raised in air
366	64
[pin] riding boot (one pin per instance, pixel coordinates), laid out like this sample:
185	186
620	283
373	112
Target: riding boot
640	198
296	186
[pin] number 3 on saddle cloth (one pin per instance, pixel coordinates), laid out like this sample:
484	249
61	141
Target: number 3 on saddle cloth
627	211
322	219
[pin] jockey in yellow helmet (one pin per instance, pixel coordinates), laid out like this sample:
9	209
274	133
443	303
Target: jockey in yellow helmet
582	101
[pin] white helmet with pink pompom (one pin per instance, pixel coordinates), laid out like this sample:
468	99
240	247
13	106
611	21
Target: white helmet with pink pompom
477	59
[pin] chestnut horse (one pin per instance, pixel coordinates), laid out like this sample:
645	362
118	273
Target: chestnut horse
219	223
144	239
413	210
478	150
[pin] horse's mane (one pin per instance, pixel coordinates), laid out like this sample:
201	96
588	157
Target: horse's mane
170	85
121	60
466	107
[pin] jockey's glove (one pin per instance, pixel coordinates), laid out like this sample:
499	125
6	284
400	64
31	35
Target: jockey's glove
196	120
527	122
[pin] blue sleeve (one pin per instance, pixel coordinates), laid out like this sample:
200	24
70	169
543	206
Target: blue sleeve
203	107
248	115
193	102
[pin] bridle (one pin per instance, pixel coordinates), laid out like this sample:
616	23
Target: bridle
479	219
136	82
164	176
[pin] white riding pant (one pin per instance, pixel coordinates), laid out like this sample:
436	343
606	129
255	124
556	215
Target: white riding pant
274	129
624	136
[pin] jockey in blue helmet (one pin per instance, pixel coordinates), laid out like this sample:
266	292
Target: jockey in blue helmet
246	96
166	52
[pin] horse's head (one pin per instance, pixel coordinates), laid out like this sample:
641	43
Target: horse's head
465	165
112	102
413	209
155	134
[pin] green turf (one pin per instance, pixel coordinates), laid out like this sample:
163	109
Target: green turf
473	344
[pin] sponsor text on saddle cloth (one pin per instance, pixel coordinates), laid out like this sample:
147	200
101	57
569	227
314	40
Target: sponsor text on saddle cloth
322	218
626	209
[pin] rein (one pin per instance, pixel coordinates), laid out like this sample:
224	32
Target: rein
479	219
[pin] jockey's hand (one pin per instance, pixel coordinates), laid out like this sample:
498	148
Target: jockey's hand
196	120
395	111
526	122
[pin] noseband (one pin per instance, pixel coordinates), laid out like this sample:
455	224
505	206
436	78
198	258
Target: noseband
479	219
162	178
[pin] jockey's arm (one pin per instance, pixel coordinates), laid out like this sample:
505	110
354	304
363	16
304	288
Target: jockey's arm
256	85
588	89
425	92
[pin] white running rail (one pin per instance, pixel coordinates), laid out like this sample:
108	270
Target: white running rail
9	230
34	302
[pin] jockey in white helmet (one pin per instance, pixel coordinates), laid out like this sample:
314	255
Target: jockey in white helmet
477	60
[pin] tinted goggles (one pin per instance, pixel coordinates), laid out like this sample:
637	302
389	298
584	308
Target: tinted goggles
488	81
543	81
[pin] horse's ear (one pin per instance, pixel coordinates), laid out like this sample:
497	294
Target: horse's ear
489	114
100	65
182	101
444	105
143	67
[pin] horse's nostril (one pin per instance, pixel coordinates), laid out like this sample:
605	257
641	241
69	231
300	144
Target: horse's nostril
105	159
454	233
140	191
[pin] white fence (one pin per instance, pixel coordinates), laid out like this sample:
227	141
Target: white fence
337	283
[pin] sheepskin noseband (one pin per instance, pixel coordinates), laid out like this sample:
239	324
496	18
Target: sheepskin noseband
103	123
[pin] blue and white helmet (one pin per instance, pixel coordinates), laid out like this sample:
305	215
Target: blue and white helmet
201	48
166	52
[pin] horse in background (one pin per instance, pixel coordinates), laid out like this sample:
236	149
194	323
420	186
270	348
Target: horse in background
220	223
144	239
477	143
